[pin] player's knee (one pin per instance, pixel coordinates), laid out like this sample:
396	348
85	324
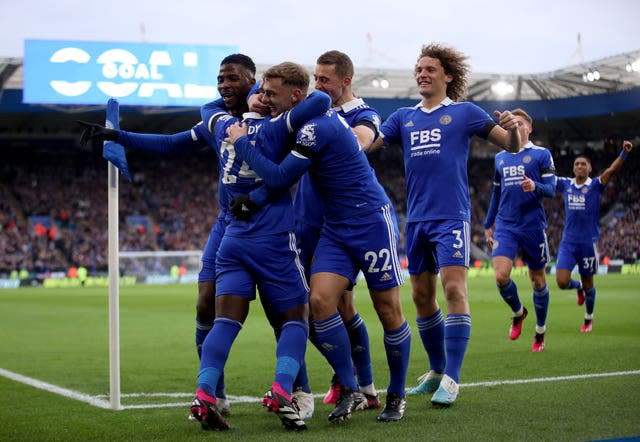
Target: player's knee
502	277
562	283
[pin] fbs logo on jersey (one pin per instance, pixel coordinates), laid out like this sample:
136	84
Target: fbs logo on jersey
307	135
385	277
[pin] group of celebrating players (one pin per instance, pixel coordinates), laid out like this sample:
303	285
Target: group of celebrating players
303	253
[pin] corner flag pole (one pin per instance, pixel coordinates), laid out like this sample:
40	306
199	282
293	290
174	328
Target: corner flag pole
114	268
114	291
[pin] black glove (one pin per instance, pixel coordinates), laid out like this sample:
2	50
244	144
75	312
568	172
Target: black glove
242	207
93	131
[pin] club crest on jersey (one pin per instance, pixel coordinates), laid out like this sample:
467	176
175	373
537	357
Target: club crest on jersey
445	119
526	159
307	135
584	189
409	124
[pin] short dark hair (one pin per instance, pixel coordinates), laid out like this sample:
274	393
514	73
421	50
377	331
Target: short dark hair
242	60
342	62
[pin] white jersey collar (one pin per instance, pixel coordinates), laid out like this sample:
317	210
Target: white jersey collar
350	105
586	183
252	116
445	102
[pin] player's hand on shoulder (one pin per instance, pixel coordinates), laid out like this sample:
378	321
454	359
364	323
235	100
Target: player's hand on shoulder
242	207
93	131
235	131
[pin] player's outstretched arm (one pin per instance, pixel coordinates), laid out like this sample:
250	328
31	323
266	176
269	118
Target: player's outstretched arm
606	176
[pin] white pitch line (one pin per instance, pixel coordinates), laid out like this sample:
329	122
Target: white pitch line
65	392
101	402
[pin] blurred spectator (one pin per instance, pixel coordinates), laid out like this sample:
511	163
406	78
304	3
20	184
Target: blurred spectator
68	188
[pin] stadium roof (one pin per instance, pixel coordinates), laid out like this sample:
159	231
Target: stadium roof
614	75
563	105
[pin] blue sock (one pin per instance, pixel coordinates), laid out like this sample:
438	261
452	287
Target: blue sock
509	293
541	303
360	353
431	330
215	351
457	331
301	382
574	284
202	330
590	300
397	344
290	353
333	343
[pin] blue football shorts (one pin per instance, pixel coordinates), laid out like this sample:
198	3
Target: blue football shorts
583	254
368	243
269	263
532	243
437	243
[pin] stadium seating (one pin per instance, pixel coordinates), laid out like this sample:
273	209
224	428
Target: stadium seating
172	204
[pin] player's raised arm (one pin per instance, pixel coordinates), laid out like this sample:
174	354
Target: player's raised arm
606	176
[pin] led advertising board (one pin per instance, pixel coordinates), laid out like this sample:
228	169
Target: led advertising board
75	72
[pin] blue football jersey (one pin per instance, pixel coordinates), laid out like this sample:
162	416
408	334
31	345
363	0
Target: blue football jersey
308	203
517	208
339	168
581	208
436	144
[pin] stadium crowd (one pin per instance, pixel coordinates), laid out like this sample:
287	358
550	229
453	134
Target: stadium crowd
53	205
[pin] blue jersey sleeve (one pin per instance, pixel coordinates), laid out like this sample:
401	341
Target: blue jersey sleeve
494	203
185	141
562	184
211	110
278	176
390	129
316	104
547	186
548	178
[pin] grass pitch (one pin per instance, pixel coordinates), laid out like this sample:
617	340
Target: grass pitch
582	387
